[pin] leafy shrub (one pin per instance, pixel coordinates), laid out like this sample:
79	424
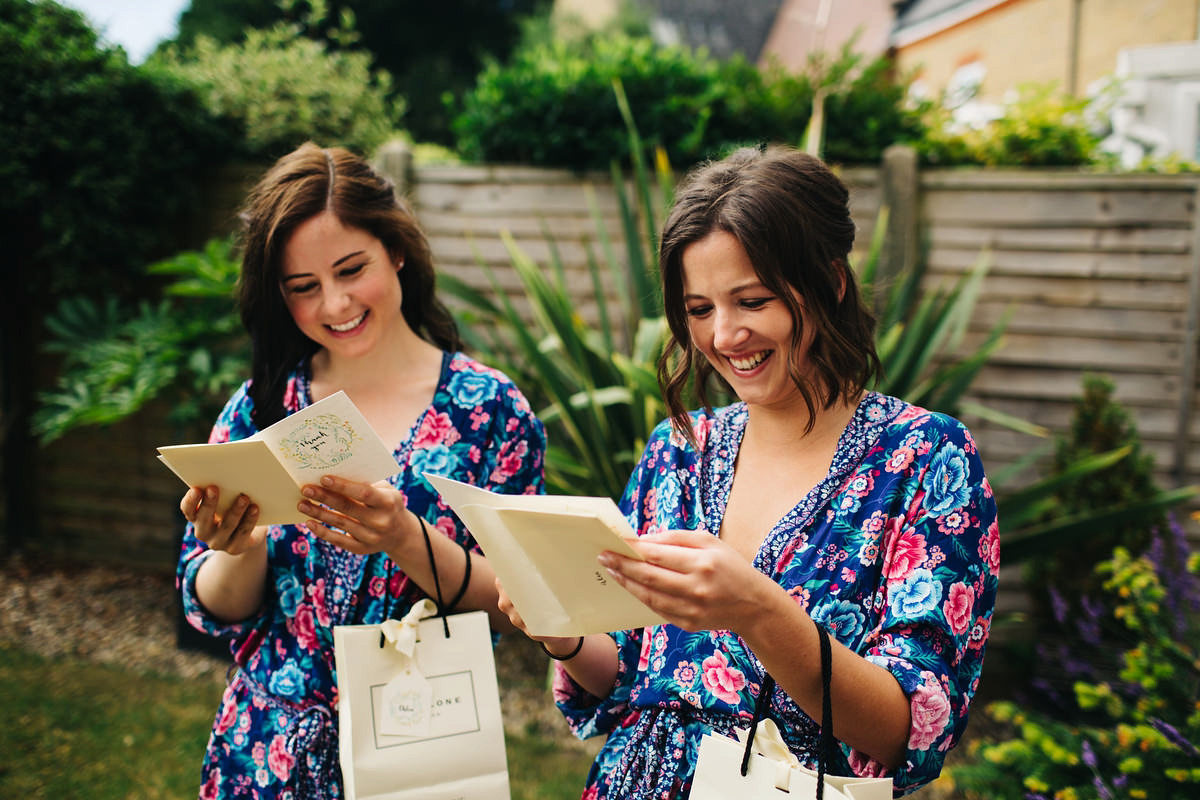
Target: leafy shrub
552	104
866	112
433	51
1039	128
116	359
1100	424
1141	729
283	88
1072	614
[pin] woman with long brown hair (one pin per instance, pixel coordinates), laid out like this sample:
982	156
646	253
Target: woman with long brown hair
337	293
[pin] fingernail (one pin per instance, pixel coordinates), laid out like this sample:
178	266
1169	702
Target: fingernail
327	481
605	560
308	492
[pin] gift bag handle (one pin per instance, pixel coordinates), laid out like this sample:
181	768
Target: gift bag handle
825	742
444	609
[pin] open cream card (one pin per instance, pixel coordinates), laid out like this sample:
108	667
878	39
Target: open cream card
544	548
330	437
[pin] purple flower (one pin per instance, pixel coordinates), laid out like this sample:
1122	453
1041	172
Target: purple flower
1089	755
1175	737
1058	606
1089	758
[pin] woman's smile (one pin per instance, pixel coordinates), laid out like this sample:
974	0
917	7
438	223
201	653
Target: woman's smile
748	363
347	327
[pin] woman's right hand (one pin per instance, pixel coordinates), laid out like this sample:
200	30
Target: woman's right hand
233	532
591	661
508	609
555	644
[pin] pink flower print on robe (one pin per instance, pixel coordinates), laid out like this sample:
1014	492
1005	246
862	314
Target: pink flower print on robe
279	759
436	428
721	679
908	553
957	608
930	713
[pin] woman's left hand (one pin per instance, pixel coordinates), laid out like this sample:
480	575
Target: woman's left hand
693	579
359	517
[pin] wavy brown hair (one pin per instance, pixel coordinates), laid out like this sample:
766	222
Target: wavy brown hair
299	186
791	215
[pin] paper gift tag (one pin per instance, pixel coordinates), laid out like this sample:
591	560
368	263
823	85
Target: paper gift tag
407	705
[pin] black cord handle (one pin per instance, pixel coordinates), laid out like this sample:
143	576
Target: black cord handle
437	585
826	744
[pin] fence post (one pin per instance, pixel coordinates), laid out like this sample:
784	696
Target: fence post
394	160
1188	354
899	189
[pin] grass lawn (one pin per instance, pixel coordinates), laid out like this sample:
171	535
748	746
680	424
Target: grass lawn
75	728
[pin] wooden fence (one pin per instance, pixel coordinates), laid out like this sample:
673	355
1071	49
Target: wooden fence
1100	274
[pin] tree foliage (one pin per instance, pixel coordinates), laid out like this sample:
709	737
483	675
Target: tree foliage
102	161
281	88
102	158
433	51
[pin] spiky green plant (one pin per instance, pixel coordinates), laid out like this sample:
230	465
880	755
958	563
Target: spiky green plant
594	387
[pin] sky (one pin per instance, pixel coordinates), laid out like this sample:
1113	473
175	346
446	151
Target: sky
136	25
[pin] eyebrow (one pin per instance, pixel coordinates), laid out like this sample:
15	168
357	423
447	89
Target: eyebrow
335	265
739	289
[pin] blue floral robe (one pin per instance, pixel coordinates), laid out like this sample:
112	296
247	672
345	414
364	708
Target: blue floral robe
275	734
895	553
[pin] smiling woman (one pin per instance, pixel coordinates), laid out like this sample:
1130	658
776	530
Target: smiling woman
337	292
340	287
811	506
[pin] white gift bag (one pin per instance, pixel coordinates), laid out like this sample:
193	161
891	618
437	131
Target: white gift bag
770	775
761	767
419	711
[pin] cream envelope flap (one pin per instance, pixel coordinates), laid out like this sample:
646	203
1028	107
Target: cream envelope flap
543	548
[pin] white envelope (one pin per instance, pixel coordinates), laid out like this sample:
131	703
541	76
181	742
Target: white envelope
543	548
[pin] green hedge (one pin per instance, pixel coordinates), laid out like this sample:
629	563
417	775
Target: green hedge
553	104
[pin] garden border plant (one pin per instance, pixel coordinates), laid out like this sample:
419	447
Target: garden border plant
1139	734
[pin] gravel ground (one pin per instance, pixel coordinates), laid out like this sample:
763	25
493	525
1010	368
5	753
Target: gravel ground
120	616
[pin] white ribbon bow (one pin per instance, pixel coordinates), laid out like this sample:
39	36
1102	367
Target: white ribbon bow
402	633
768	742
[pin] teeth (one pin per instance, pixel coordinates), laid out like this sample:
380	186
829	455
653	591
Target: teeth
345	326
749	362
